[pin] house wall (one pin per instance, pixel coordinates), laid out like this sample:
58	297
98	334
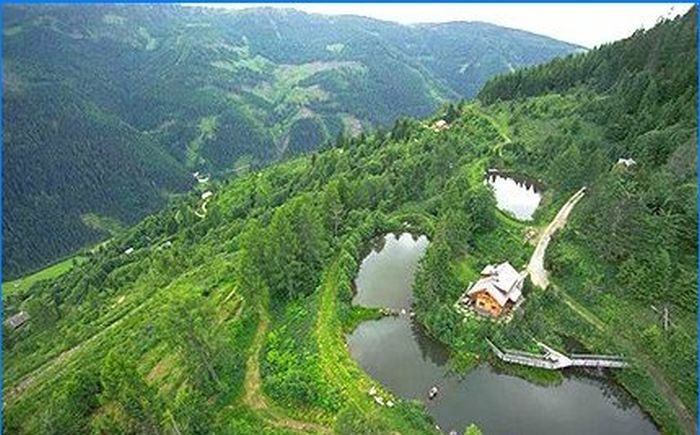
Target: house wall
485	302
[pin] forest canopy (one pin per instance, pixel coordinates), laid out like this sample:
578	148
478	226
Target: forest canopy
228	312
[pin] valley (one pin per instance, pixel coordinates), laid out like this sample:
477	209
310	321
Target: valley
318	294
108	109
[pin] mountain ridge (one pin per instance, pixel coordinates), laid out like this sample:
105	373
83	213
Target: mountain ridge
229	313
201	90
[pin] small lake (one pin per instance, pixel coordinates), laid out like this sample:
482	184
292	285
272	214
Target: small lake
394	258
516	195
397	353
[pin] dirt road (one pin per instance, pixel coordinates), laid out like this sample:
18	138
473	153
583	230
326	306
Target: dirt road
203	214
254	397
539	277
538	274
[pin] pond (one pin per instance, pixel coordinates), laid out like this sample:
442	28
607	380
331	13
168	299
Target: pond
519	196
386	274
397	353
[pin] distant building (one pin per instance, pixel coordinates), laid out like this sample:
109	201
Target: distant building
18	320
129	251
497	291
440	125
201	178
626	162
207	194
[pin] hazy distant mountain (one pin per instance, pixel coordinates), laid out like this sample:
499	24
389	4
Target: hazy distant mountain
108	108
235	314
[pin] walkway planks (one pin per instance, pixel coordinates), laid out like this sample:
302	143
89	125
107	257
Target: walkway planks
554	360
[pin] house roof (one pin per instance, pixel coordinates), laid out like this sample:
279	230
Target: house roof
18	319
626	162
488	270
502	282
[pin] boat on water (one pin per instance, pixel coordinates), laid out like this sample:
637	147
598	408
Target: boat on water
433	392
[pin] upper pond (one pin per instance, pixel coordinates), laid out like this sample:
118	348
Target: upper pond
518	196
396	352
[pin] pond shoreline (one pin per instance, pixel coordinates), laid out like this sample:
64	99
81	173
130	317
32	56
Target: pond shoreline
516	195
399	352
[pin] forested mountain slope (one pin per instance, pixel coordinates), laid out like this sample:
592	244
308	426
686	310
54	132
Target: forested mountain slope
234	321
109	108
630	255
642	93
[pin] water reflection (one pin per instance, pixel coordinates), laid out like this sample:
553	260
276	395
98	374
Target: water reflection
397	352
430	349
518	196
386	274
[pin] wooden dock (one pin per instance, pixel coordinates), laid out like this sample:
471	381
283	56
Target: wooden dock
554	360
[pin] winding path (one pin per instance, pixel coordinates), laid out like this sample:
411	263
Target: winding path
540	278
254	397
538	274
203	214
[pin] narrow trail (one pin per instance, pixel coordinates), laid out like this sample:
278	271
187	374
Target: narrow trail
538	274
54	364
203	214
334	363
540	278
253	381
254	397
337	364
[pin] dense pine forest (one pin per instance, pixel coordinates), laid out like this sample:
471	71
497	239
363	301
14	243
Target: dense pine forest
229	314
109	109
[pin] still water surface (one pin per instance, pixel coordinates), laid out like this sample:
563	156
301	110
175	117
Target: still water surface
518	196
396	352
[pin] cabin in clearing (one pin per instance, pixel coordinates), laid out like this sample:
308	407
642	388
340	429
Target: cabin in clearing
497	291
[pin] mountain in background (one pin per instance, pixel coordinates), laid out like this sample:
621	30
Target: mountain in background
108	109
233	318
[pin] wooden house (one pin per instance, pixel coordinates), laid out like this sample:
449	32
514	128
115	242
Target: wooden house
497	291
